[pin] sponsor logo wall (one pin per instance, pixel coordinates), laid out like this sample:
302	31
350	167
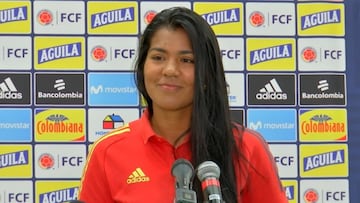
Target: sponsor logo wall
66	80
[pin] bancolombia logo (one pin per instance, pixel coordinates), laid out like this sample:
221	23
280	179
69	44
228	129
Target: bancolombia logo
60	89
15	89
322	89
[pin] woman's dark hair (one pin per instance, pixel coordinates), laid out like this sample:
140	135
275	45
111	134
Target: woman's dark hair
211	129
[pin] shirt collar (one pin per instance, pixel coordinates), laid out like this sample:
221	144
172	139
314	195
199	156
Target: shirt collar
148	132
146	126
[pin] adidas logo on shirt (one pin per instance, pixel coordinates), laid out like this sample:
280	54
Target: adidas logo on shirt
271	91
137	176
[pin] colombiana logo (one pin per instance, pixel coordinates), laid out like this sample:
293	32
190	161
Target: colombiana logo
59	124
45	17
257	19
323	124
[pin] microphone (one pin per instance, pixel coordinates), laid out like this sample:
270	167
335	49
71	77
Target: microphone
183	172
208	173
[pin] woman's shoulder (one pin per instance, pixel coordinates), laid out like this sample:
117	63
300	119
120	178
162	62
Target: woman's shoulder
118	136
249	139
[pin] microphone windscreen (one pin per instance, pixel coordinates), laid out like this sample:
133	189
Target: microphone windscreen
208	169
183	170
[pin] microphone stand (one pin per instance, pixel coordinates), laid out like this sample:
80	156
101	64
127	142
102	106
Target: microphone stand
185	196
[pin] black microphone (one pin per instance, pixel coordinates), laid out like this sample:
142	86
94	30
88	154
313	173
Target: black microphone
208	173
183	172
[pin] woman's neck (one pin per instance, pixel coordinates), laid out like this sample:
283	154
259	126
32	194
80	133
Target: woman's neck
172	126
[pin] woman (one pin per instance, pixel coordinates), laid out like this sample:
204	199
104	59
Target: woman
180	74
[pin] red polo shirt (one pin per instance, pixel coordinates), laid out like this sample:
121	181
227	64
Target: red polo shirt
133	165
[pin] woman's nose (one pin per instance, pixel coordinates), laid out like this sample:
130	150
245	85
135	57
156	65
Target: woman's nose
171	68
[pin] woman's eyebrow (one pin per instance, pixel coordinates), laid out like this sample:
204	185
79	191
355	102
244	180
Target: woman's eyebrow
164	51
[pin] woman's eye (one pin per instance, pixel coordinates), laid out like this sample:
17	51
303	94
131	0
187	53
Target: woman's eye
188	60
157	58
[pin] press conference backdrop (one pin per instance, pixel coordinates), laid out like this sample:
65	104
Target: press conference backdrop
66	80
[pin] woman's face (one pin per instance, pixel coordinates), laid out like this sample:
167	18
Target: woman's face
169	70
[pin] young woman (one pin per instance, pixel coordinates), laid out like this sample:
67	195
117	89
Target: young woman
179	72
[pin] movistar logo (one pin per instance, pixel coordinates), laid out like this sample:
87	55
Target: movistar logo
270	53
59	52
321	18
113	16
325	159
13	14
221	17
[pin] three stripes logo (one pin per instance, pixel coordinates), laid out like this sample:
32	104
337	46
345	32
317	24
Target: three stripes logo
137	176
271	91
8	85
8	90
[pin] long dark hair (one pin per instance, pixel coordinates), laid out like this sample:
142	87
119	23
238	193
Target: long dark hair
211	129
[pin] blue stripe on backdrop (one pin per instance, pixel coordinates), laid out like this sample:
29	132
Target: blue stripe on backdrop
353	74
